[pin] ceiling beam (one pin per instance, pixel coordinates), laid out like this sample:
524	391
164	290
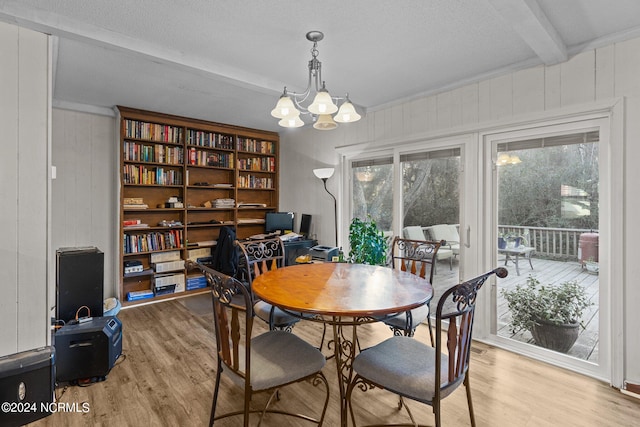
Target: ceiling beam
529	21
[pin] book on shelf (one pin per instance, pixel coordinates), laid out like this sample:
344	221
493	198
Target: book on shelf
135	206
138	295
133	201
135	226
251	205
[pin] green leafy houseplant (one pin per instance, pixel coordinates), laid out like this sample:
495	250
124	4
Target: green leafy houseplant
366	243
539	308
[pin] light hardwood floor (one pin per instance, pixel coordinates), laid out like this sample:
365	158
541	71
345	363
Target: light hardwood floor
166	379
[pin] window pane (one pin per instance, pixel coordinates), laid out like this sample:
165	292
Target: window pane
430	191
548	213
373	193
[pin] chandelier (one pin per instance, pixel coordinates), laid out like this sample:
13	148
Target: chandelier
289	106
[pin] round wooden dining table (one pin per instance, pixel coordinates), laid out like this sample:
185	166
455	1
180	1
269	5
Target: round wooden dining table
343	295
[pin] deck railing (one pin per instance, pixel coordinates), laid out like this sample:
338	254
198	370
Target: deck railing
552	243
556	243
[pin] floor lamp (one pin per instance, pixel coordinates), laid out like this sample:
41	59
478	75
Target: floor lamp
324	174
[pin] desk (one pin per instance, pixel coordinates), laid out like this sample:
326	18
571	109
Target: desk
342	295
524	251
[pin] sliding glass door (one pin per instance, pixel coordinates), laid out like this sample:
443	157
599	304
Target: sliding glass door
547	216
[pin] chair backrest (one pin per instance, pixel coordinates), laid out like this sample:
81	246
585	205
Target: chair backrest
415	256
413	232
262	255
447	232
457	307
233	337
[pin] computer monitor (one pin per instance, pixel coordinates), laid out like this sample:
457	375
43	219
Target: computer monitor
278	221
305	225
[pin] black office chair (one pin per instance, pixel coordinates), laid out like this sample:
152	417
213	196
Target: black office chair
413	370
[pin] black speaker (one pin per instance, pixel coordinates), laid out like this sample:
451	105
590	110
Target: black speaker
27	385
80	282
88	350
305	225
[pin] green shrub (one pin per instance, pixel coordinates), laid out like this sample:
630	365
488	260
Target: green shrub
533	303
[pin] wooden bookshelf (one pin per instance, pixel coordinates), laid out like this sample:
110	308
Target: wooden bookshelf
181	180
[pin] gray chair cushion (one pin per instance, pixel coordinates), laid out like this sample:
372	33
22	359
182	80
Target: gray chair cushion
418	315
279	357
402	365
280	318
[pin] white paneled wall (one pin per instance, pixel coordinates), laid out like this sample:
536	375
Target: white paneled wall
589	77
84	207
24	188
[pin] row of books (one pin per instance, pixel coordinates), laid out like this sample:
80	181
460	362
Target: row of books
209	139
156	153
250	144
165	133
197	282
152	131
155	241
266	164
207	158
140	174
252	181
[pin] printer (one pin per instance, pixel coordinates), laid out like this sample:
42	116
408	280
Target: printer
323	253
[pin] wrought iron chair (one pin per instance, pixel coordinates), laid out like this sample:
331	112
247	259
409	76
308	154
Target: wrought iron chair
416	257
261	256
416	371
266	362
416	232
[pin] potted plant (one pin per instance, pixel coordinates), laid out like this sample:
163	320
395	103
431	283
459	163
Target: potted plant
551	313
592	266
367	244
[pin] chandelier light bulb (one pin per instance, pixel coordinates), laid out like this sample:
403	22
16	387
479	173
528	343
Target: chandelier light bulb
284	108
291	121
322	103
347	113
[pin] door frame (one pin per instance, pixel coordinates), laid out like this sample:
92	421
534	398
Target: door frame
611	263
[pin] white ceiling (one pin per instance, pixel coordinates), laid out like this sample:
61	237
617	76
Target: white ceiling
228	60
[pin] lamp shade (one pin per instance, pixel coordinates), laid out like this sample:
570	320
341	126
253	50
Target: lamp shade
325	122
291	122
347	113
284	108
322	103
323	173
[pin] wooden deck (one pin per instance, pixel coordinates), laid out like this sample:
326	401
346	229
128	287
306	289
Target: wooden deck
547	272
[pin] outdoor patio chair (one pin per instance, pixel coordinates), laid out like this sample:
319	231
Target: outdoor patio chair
413	370
266	362
447	232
